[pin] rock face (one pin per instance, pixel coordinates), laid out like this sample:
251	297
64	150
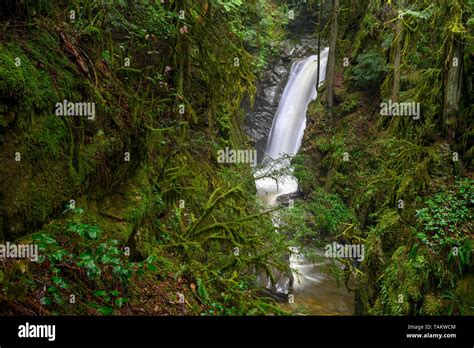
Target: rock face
282	287
301	43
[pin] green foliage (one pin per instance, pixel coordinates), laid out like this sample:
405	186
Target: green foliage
328	211
438	263
262	36
446	223
322	215
370	26
369	70
349	106
201	289
297	223
222	245
230	5
447	219
404	172
421	252
80	251
12	78
402	284
332	144
384	237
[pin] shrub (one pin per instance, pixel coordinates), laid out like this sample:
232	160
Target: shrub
368	72
80	260
447	218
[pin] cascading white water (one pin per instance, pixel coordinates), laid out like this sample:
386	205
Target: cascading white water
290	119
317	293
288	126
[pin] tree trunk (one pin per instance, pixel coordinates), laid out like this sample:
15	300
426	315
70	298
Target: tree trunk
319	41
332	56
452	87
397	60
182	58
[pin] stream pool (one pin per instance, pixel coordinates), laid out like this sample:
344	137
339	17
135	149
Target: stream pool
315	290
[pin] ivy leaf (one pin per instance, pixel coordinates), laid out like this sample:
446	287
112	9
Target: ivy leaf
93	232
45	301
100	293
120	301
59	282
106	310
58	255
152	267
202	291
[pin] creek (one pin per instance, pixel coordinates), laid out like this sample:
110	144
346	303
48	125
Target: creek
313	291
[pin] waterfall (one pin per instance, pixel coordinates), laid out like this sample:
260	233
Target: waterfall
290	119
288	126
317	292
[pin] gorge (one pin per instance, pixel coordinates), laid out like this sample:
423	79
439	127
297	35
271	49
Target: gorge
210	175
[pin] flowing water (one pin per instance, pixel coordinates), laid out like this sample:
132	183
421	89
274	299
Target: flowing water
288	126
315	292
290	119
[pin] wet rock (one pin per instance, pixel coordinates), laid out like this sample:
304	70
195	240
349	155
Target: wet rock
114	206
278	297
286	199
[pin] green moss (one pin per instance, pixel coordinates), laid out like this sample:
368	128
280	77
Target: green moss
402	284
44	139
465	293
388	229
432	305
13	80
38	185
